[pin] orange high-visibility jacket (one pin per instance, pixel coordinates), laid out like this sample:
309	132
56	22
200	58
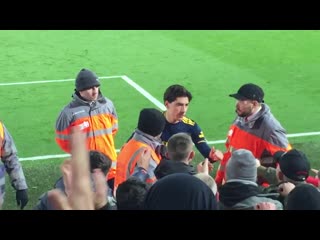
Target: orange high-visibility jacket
263	135
98	119
127	161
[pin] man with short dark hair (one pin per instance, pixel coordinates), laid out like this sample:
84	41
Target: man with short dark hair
176	100
96	116
255	129
131	193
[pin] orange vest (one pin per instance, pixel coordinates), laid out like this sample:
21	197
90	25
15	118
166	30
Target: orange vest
127	161
242	139
100	137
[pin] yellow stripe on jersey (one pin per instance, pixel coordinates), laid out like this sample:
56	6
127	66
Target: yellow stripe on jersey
188	121
201	135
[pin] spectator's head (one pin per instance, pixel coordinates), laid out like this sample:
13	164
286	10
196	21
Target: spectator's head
180	191
207	179
293	166
304	197
180	147
87	84
130	194
242	166
175	91
176	99
249	97
99	160
151	121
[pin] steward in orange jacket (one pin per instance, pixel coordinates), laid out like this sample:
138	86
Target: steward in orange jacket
254	129
95	114
150	125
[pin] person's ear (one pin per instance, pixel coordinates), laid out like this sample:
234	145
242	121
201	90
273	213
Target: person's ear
167	155
191	155
166	103
255	103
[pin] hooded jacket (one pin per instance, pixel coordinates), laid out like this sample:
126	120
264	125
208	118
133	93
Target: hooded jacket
10	162
98	119
239	194
263	135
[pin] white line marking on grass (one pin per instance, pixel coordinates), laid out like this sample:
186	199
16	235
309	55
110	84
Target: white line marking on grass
49	157
292	135
50	81
216	142
45	157
209	142
144	93
302	134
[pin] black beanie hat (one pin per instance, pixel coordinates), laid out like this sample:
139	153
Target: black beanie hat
151	121
86	79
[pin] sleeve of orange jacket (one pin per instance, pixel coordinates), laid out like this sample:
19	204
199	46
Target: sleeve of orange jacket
114	120
63	132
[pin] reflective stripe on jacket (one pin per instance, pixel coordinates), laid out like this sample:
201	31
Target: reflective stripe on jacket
127	161
98	119
263	136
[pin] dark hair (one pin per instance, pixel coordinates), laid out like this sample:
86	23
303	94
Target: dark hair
99	160
179	146
175	91
130	194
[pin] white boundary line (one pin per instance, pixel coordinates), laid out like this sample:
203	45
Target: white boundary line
209	142
140	90
50	81
144	93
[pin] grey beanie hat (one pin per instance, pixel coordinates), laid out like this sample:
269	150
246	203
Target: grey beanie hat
242	166
86	79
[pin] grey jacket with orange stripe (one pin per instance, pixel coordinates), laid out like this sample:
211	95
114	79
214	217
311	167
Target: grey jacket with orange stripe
98	119
10	162
263	135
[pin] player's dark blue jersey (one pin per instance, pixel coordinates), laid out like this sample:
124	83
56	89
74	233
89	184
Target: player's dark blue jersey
189	126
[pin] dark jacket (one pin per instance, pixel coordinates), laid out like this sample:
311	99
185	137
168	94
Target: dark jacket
167	167
242	195
180	191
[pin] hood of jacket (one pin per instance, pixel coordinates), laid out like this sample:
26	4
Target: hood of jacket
232	193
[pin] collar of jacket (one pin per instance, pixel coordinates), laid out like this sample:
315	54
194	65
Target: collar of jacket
251	120
101	99
146	138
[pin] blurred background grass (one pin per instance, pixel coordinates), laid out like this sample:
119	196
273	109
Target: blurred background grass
211	64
